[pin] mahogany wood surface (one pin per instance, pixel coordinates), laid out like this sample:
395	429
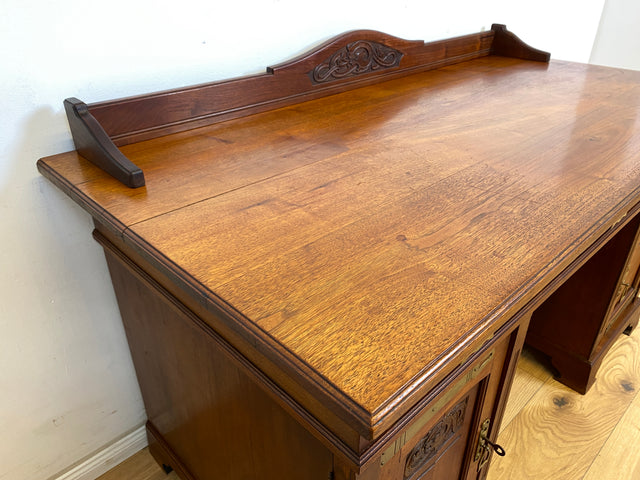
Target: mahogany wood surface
359	247
400	219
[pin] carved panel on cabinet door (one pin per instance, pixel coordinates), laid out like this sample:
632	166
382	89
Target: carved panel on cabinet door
429	446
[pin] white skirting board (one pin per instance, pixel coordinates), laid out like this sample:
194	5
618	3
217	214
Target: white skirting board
108	457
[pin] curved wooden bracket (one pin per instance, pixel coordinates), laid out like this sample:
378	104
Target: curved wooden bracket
507	44
93	143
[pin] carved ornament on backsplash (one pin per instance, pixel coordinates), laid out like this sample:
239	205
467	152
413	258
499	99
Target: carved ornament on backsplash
355	59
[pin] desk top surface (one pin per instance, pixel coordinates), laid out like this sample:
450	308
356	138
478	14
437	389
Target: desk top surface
372	232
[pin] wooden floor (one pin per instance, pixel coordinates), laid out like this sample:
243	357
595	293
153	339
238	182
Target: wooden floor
549	431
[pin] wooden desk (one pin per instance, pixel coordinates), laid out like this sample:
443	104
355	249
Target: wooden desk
328	270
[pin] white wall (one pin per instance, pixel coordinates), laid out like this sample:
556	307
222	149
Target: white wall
67	387
617	42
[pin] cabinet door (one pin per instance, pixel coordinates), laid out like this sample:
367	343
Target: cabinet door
627	287
441	440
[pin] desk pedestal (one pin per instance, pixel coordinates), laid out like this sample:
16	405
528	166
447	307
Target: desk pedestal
577	325
214	415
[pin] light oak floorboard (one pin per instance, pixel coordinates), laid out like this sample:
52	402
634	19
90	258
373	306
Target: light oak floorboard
549	431
530	375
619	457
559	433
140	466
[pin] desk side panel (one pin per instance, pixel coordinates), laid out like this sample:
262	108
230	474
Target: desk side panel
205	410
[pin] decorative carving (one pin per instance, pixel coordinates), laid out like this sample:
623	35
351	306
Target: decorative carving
427	448
355	59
